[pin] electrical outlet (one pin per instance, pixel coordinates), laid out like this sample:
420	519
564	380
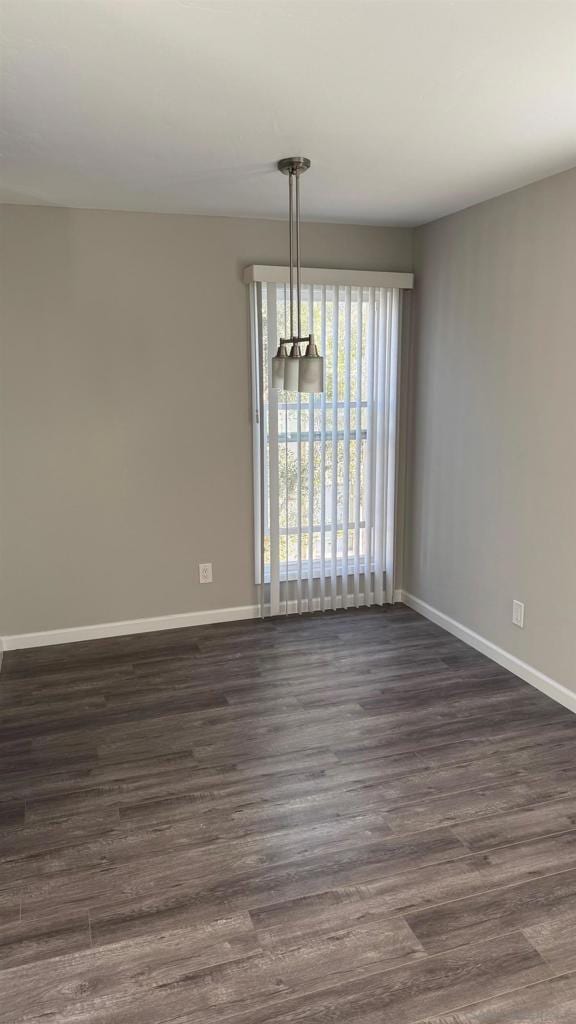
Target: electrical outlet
205	572
518	614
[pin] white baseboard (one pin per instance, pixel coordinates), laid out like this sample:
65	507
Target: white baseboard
561	694
75	634
106	629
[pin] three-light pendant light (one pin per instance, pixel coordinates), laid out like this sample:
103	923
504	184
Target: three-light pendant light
292	370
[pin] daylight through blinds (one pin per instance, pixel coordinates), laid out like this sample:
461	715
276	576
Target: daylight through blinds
326	464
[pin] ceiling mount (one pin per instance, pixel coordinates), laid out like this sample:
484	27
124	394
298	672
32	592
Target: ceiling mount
293	164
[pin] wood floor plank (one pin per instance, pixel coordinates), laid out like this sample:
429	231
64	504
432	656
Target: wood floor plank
405	994
494	913
537	819
442	884
127	846
42	936
400	893
477	731
146	980
350	946
9	907
548	1002
206	979
120	904
482	802
12	813
522	861
554	936
554	743
33	841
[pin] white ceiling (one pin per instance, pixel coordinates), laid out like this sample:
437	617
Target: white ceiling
409	109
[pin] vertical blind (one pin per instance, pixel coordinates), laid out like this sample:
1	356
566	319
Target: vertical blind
325	465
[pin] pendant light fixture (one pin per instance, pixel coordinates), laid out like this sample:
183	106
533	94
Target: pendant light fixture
292	370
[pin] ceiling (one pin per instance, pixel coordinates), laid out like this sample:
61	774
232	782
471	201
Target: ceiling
408	109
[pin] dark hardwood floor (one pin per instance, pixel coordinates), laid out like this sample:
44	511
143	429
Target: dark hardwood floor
340	819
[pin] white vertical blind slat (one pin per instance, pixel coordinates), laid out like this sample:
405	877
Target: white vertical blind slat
274	511
311	425
299	505
323	462
257	454
369	444
357	447
385	445
334	509
379	448
392	439
286	491
262	441
346	453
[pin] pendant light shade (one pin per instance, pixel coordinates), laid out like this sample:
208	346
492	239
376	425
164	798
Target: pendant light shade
311	376
295	372
279	365
292	371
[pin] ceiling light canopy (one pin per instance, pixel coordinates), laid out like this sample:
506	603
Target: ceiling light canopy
292	370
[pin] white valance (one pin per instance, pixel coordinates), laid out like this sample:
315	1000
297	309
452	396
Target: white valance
319	276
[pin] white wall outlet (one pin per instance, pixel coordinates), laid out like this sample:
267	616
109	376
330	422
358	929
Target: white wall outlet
518	614
205	572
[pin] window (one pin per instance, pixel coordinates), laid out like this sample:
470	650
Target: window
325	464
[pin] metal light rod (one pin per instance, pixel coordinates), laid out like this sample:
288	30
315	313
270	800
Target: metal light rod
291	247
294	166
298	275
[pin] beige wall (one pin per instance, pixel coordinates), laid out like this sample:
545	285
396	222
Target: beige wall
492	488
123	336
